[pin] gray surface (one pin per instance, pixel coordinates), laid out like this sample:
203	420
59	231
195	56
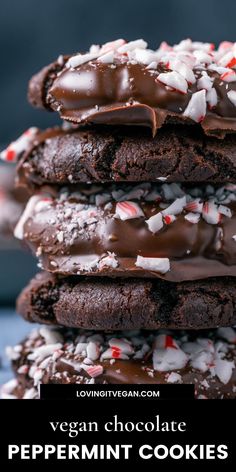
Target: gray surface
13	329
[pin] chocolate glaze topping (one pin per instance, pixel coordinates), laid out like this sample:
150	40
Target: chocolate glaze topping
72	236
133	87
129	357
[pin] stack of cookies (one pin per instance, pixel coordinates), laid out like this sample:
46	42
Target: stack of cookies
133	220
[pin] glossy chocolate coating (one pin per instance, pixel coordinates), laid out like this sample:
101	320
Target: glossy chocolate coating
130	94
124	93
65	367
195	251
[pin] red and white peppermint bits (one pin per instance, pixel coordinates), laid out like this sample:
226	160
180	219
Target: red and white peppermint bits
210	213
196	108
176	207
211	98
232	97
183	69
28	212
224	370
184	64
112	46
228	60
80	59
132	45
192	217
121	344
155	264
223	210
16	148
93	351
174	377
155	222
167	355
128	210
107	58
163	341
228	334
41	352
173	80
229	76
93	370
118	349
168	219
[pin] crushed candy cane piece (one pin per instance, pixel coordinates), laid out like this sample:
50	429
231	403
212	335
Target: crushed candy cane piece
155	222
163	341
223	210
28	212
93	371
192	217
156	264
194	206
93	351
205	82
229	76
106	58
108	261
223	370
138	43
211	98
196	108
127	210
210	213
232	96
176	207
119	344
113	354
228	334
183	69
44	351
50	336
9	386
79	59
174	377
168	219
168	357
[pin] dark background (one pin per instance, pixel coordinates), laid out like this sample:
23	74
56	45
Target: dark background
34	32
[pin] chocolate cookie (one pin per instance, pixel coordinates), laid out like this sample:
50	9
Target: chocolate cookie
105	303
148	230
130	357
12	201
124	83
176	154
